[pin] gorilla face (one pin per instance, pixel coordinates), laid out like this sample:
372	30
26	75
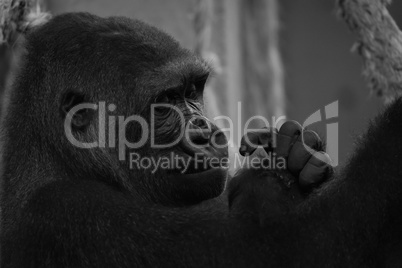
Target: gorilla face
153	78
201	147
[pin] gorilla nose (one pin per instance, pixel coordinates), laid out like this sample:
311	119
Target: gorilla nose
199	131
202	136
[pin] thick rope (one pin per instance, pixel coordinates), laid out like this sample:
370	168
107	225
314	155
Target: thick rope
379	42
18	16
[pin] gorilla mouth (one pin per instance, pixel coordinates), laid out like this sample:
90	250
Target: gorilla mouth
196	166
199	172
186	164
200	175
202	159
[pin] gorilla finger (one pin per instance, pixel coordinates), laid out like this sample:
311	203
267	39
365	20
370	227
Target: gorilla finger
316	171
251	140
302	150
287	135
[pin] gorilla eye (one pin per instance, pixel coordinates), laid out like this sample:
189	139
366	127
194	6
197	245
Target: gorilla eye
191	93
162	98
169	96
200	84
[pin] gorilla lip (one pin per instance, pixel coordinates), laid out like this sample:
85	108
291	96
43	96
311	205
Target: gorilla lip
204	157
178	163
199	165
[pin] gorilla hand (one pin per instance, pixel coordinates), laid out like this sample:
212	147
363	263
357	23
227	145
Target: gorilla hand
270	192
302	151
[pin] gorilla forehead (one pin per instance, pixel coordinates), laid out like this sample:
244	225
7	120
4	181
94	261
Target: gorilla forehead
88	53
87	40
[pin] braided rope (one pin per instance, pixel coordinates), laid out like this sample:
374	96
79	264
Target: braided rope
18	16
379	43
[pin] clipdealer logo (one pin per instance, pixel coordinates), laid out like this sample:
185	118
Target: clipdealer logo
117	125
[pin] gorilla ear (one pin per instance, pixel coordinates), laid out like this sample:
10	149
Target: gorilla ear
80	118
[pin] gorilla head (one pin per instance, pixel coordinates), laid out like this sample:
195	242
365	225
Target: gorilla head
139	97
97	99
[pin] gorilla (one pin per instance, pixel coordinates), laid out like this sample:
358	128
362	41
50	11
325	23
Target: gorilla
73	195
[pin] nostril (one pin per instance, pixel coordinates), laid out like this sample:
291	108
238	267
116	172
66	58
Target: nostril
219	138
199	132
200	122
199	140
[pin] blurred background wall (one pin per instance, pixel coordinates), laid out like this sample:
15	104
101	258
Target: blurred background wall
314	45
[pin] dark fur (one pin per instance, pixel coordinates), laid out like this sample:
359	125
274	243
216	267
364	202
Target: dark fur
66	207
